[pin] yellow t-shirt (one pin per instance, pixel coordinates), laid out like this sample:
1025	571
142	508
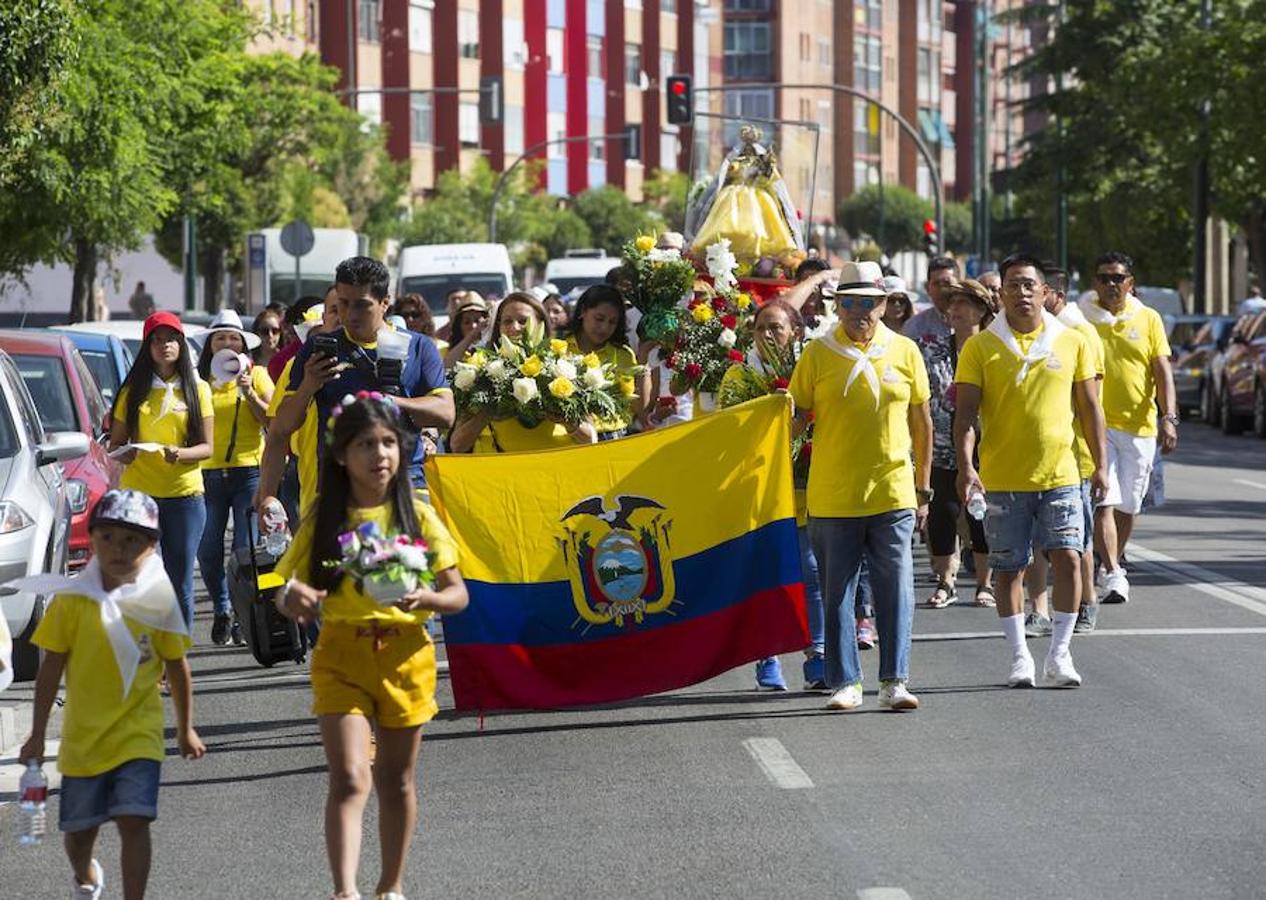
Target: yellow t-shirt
1026	439
861	453
249	446
347	603
150	473
511	435
624	365
101	728
303	443
1085	461
1129	386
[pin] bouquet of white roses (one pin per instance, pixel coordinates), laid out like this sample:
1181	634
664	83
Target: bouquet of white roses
386	567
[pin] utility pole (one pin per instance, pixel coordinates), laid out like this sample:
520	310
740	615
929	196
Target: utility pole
1061	188
1199	269
985	211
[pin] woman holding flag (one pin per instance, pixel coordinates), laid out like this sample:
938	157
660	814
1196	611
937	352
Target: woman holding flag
240	394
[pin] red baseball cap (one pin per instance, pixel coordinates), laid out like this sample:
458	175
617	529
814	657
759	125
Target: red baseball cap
158	320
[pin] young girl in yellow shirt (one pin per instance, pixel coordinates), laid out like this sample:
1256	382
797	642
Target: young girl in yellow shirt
166	408
599	326
374	666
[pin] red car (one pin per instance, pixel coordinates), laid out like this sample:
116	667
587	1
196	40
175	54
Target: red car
68	399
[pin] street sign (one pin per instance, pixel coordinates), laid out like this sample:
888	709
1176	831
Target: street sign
297	238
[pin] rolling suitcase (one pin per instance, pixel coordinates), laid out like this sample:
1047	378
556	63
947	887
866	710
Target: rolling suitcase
252	586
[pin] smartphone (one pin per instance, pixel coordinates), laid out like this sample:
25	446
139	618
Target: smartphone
327	344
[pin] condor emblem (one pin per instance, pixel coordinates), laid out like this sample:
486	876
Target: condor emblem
618	572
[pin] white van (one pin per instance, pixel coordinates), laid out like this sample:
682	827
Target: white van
436	270
316	268
579	269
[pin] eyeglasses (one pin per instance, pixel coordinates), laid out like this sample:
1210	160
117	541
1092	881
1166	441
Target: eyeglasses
1022	286
847	301
1110	277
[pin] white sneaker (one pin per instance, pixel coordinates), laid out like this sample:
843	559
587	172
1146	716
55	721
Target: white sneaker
1116	587
1023	672
894	695
90	891
1058	672
849	697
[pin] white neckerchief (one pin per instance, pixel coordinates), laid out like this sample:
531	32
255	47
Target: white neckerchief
863	361
150	600
1072	316
1095	313
1052	328
169	389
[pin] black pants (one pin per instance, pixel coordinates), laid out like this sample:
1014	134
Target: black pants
943	513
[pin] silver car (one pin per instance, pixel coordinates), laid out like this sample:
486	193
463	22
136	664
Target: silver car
34	509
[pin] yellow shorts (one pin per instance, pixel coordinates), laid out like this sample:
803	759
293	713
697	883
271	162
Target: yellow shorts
385	673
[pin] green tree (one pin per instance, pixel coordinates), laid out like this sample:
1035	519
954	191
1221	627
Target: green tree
38	39
613	218
901	210
665	193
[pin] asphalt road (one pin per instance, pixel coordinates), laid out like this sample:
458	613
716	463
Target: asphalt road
1148	782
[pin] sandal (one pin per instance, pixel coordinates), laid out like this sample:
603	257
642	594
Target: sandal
943	596
985	597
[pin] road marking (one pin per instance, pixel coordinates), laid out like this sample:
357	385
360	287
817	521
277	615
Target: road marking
882	893
1206	581
1245	481
1098	632
777	763
201	681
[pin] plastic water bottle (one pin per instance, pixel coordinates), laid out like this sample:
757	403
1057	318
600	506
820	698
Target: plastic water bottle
976	505
32	797
273	530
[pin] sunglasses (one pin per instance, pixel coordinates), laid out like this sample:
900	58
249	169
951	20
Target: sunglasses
1110	277
847	301
269	330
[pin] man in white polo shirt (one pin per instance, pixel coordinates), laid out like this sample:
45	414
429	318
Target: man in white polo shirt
1137	378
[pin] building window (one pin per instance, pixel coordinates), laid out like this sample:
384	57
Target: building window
554	50
869	14
468	34
420	28
824	53
368	20
556	125
515	47
865	129
633	63
667	63
513	129
747	50
669	146
597	127
746	5
757	105
867	62
421	122
310	22
369	105
668	6
468	124
593	57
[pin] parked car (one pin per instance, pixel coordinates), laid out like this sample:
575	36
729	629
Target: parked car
68	399
1165	300
130	331
1241	386
107	358
1211	400
34	509
1193	340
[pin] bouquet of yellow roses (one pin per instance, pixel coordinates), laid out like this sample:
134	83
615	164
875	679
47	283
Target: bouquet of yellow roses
534	379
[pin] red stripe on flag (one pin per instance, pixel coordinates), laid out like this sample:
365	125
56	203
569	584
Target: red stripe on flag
511	676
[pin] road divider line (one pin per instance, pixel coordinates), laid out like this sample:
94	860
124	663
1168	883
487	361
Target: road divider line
1247	483
1099	632
882	893
777	763
1206	581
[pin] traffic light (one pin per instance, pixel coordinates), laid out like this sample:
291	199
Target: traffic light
490	105
632	143
681	103
931	240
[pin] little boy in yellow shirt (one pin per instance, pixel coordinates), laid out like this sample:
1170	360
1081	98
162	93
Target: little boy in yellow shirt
112	630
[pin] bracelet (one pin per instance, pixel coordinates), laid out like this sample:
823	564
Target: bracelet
1171	419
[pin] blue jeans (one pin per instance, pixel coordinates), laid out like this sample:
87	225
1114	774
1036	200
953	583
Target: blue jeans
812	593
181	520
1015	520
883	541
227	489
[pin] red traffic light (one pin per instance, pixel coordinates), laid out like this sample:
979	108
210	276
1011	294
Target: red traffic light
929	226
678	87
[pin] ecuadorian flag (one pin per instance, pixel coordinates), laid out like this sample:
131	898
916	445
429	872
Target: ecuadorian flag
627	568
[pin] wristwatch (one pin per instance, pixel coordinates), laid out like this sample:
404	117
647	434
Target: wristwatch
1171	418
925	495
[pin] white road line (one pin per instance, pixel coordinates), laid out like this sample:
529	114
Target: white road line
1206	581
210	678
882	893
1099	632
777	763
1245	481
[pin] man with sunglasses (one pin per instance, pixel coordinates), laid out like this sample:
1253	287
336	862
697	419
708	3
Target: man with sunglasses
1018	375
1137	377
867	389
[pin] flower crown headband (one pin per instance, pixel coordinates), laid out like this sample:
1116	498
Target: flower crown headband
378	397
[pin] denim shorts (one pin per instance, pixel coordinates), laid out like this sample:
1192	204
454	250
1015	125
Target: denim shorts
127	790
1014	521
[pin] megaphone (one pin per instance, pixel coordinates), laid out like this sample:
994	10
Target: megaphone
226	365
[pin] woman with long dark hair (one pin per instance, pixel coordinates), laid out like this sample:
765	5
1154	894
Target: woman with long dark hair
599	325
469	318
163	405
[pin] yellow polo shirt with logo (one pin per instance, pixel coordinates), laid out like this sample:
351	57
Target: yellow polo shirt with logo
151	473
101	727
1081	447
303	443
1026	439
248	444
861	462
1129	385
